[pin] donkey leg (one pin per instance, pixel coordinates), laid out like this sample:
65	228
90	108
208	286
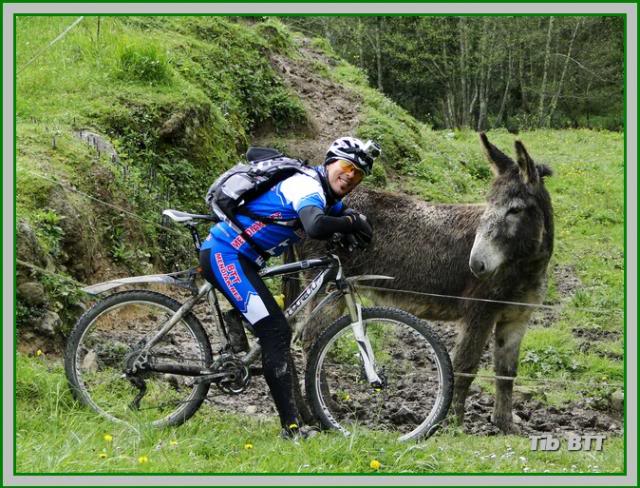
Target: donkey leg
468	351
508	337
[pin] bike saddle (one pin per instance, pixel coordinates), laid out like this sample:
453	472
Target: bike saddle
184	217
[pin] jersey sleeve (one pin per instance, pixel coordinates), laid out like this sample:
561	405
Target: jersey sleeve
303	191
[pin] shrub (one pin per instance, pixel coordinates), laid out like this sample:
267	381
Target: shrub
143	61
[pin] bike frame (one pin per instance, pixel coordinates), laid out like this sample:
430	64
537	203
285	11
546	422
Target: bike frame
331	271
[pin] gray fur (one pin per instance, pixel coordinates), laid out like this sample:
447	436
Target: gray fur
430	248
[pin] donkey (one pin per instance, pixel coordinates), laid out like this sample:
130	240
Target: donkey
493	251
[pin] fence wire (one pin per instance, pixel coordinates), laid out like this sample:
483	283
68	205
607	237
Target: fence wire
515	379
555	308
48	45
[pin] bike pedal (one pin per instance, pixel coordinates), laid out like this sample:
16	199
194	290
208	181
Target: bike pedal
256	370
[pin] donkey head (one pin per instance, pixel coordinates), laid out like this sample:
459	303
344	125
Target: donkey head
517	222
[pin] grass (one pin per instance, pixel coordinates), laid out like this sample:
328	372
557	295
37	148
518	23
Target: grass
205	84
57	435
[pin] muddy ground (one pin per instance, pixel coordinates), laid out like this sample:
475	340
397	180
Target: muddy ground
532	414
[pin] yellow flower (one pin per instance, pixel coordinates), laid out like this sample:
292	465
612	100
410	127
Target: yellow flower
248	445
39	352
107	437
102	455
143	459
375	464
173	442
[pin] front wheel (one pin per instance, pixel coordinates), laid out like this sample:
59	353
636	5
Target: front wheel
106	342
410	359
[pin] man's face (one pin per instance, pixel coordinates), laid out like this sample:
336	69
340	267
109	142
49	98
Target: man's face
343	176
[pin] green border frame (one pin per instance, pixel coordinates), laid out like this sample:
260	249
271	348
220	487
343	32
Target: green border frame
270	14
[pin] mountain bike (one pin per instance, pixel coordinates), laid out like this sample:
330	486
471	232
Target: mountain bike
142	357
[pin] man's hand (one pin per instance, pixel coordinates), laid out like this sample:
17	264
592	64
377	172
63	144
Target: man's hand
360	226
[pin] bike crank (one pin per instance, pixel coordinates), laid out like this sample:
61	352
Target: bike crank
229	374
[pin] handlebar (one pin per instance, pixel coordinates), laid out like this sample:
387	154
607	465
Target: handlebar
339	241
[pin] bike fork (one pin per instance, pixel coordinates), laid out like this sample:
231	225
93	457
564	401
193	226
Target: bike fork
364	346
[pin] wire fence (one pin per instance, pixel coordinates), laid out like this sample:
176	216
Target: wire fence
48	45
555	308
515	379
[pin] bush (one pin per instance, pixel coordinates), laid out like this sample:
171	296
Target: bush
276	34
143	61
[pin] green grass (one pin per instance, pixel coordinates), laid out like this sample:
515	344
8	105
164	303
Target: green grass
57	435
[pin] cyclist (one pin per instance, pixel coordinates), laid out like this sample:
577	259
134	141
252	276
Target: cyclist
231	263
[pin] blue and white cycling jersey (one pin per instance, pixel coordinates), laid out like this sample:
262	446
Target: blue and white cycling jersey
282	202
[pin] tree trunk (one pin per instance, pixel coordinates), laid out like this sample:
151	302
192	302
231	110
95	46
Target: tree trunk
543	87
379	53
360	44
506	92
523	88
464	95
485	74
554	101
472	104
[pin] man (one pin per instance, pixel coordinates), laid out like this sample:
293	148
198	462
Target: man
230	263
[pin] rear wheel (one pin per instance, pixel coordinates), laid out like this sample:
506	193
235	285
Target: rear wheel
105	343
410	359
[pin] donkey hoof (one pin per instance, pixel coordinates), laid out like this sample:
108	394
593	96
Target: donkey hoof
507	425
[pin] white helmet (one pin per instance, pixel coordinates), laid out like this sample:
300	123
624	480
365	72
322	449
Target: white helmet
359	153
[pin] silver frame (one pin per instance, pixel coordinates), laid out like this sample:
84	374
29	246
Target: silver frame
186	279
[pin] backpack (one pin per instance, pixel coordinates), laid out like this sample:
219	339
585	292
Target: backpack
245	181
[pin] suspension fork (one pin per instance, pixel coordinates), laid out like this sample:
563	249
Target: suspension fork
364	345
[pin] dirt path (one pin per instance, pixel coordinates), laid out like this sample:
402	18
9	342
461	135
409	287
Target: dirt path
332	109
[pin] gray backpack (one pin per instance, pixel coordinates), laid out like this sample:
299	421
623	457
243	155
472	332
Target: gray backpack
243	182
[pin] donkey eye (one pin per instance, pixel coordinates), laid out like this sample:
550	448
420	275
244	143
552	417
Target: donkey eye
515	210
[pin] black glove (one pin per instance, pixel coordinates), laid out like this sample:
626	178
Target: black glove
360	227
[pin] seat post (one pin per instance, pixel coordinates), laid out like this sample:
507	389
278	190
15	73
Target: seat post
196	237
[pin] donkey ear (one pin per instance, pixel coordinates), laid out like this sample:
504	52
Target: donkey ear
528	168
500	162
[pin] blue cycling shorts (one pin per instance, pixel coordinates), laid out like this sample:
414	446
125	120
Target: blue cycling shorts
237	278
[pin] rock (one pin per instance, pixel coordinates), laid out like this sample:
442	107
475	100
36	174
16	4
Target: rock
90	362
485	400
27	336
27	245
403	416
474	388
588	422
47	323
617	401
251	409
32	293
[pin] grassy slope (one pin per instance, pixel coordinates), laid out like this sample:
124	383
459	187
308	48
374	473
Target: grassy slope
587	191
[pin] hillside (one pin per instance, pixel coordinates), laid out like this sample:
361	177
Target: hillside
143	117
127	116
